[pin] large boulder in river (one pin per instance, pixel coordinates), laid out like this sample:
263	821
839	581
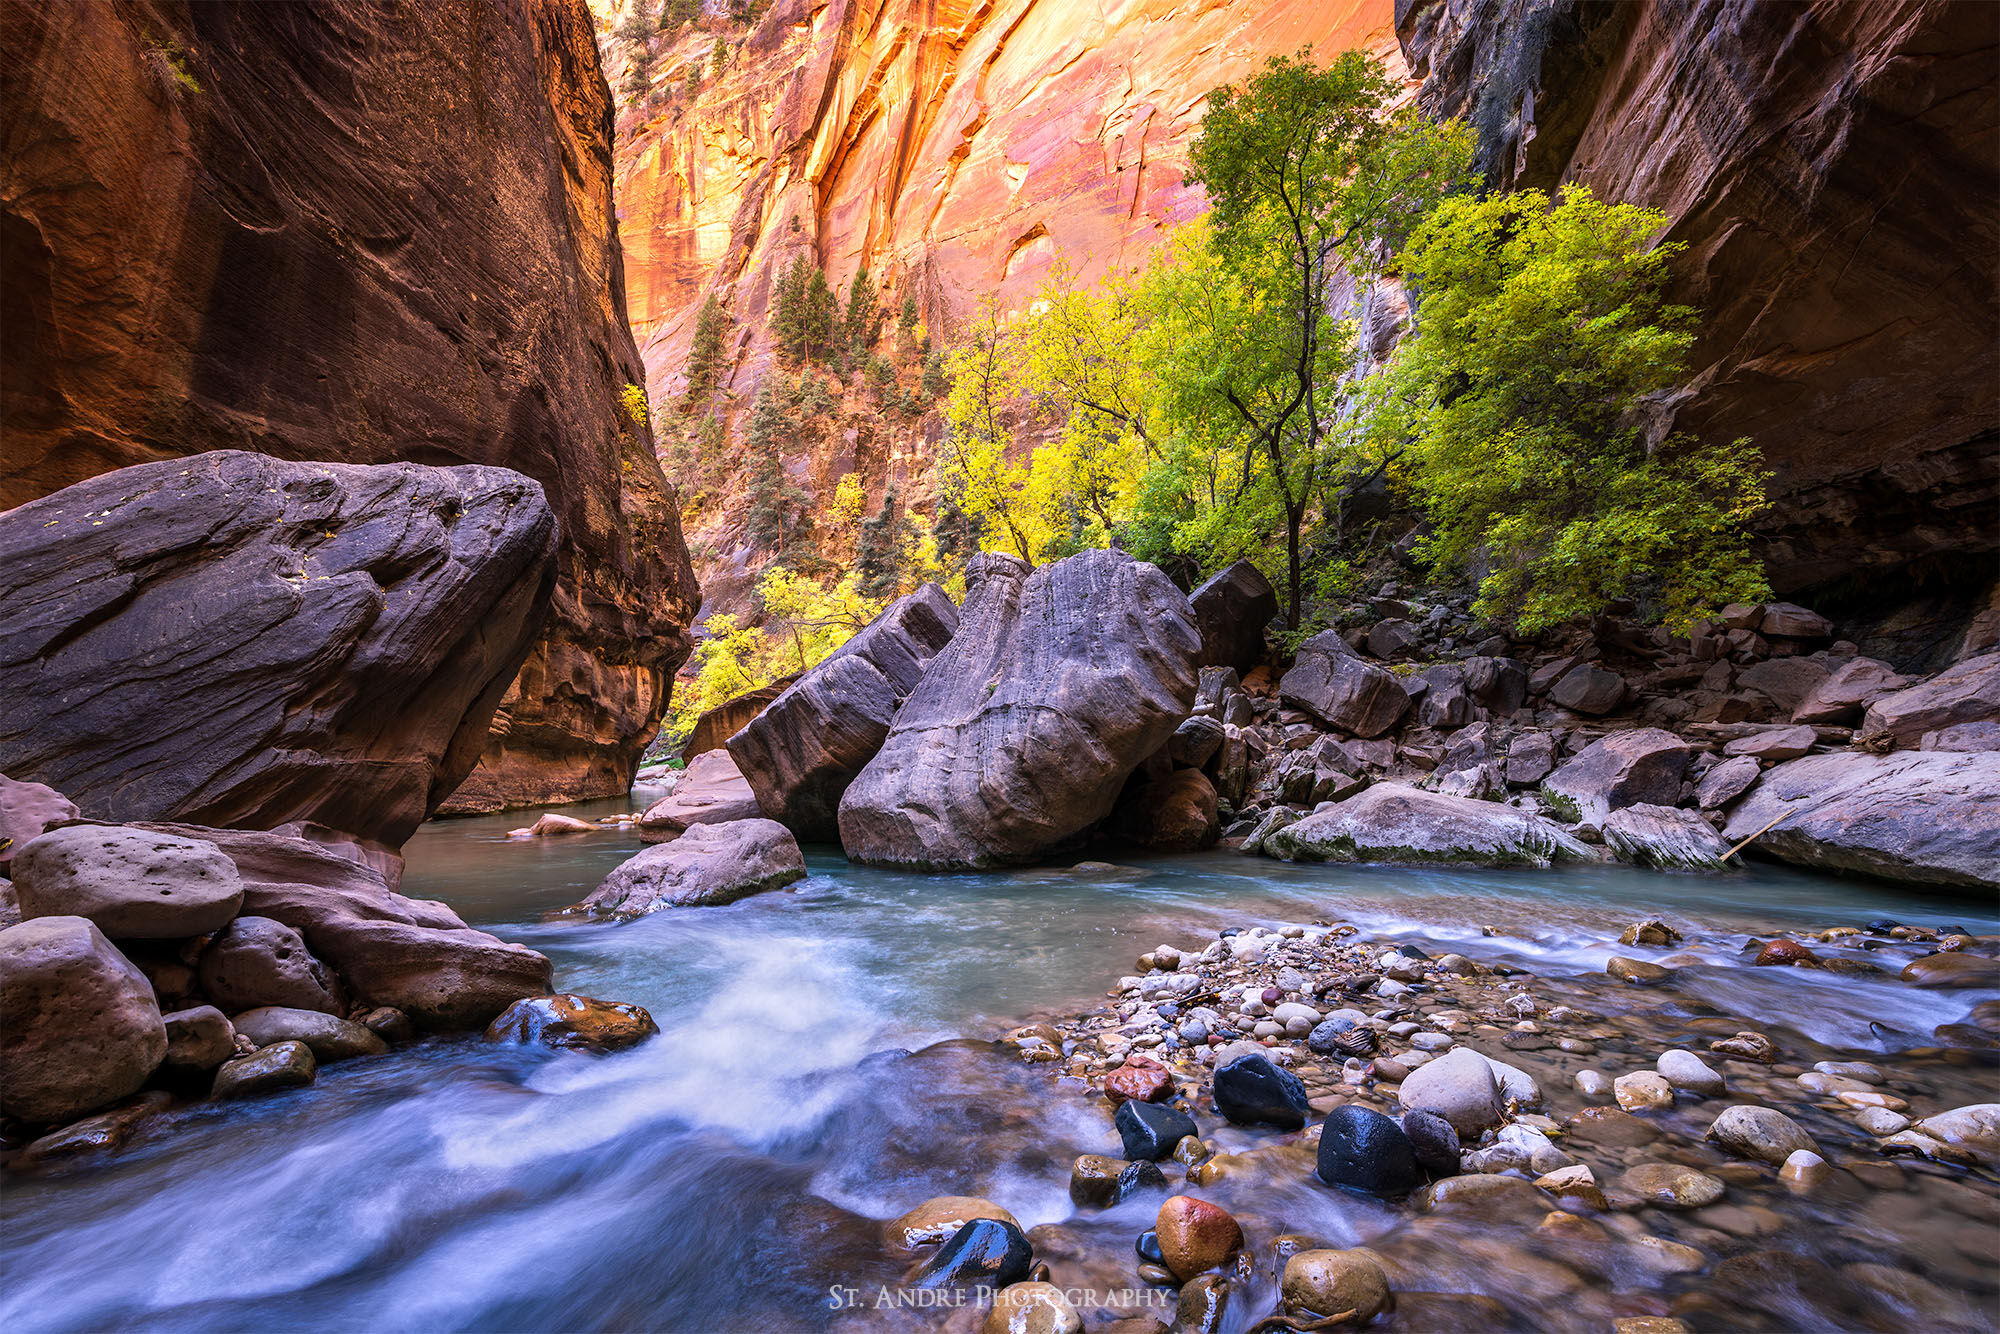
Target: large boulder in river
1231	611
414	954
1336	685
136	884
1967	692
238	640
802	751
78	1024
1393	822
1643	764
1664	836
25	810
1923	817
709	864
711	790
1060	681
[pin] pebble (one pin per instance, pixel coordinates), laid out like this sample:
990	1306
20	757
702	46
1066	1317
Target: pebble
1032	1308
1327	1283
1762	1133
1250	1090
1872	1099
1881	1121
1816	1082
1804	1170
1150	1131
1637	972
282	1065
1196	1236
1592	1083
1861	1070
1644	1091
1671	1185
1747	1046
1361	1149
1688	1073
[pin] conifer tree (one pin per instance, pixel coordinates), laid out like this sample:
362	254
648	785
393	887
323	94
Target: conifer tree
705	353
863	314
776	519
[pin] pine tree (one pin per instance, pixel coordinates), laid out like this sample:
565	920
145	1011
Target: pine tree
879	552
807	314
907	321
863	314
705	354
776	519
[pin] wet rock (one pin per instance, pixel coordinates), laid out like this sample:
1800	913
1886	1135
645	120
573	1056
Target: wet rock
573	1023
1575	1182
1841	698
1763	1133
1953	969
1804	1170
1059	683
1460	1087
708	865
81	1027
1250	1090
1589	689
1231	610
1726	782
413	954
1330	1283
1671	1185
198	1038
1664	837
935	1220
1361	1149
389	1024
984	1252
552	825
1925	817
1880	1120
800	753
1652	932
330	1037
1747	1046
1610	1125
134	883
1149	1132
1642	1091
1093	1181
1173	813
711	790
1395	822
25	810
1203	1305
1195	1236
1637	972
92	1135
1798	1291
1343	690
1784	953
1688	1073
1624	769
258	961
283	1065
1966	692
1484	1192
1140	1078
1032	1308
1974	1130
1774	743
1592	1084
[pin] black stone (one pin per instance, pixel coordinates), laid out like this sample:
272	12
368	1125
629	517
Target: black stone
1411	952
1149	1130
1435	1142
986	1252
1365	1151
1250	1090
1883	924
1138	1177
1148	1247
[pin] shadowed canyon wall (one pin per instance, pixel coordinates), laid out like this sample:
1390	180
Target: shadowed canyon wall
1832	169
354	231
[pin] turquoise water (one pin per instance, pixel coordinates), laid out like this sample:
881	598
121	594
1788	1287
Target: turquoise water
724	1174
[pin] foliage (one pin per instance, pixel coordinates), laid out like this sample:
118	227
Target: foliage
777	518
704	363
807	313
678	13
1542	327
863	314
632	399
887	548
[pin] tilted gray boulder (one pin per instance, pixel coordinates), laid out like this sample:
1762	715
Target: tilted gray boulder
1923	817
1394	822
1966	692
1643	764
239	640
1231	611
709	864
1024	729
1664	836
136	884
800	753
1336	685
78	1024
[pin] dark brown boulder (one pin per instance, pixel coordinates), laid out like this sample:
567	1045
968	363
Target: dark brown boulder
414	954
1059	683
1341	689
1231	611
1171	814
713	729
1827	168
79	1027
352	233
235	640
802	751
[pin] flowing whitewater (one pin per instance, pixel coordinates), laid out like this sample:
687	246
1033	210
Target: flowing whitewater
726	1174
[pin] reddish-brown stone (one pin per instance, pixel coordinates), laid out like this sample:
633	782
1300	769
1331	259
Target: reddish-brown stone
1195	1235
1140	1079
1780	952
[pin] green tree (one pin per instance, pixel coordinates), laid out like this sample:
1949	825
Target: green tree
777	519
863	314
1307	176
678	13
807	313
879	553
704	363
1541	329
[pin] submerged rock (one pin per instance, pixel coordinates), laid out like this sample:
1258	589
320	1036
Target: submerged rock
136	884
1763	1133
710	864
1921	817
1058	684
573	1023
803	749
80	1027
1330	1283
1399	823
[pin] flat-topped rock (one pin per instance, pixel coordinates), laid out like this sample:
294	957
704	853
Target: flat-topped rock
1395	822
710	864
136	884
711	790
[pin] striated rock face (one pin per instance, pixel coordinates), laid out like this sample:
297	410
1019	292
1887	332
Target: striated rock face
1058	684
1831	169
237	640
358	233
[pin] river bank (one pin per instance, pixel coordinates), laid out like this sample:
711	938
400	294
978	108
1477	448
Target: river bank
726	1173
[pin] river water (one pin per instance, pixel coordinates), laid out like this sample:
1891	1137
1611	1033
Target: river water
808	1081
